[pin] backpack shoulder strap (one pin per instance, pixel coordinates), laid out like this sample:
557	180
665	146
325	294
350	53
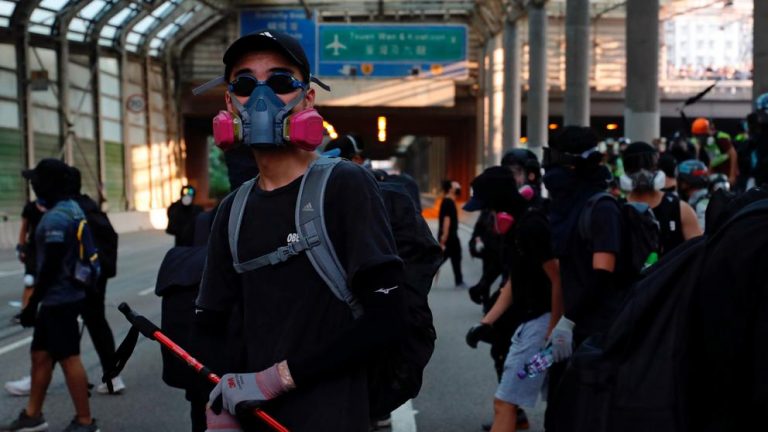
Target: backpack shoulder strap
236	219
311	227
585	219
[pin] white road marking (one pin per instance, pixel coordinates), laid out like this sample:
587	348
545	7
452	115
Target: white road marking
404	418
147	291
11	272
18	344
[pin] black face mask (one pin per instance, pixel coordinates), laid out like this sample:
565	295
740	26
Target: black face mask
457	193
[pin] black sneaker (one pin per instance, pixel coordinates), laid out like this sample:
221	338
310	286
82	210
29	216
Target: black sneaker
25	423
75	426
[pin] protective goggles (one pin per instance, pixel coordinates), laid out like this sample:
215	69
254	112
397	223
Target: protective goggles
280	83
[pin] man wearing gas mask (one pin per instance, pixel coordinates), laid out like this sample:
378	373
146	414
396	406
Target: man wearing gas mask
533	286
181	217
302	353
643	181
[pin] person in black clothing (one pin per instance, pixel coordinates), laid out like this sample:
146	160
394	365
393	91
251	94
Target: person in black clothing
299	342
486	245
56	302
93	308
533	287
25	249
448	229
181	217
591	291
644	181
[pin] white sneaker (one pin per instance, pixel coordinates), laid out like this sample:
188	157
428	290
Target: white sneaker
20	387
117	385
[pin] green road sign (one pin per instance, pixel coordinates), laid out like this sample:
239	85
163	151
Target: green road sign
392	43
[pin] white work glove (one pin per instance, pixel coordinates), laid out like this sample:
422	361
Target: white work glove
562	339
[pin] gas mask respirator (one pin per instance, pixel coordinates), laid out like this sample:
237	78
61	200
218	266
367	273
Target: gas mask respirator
504	221
643	181
265	121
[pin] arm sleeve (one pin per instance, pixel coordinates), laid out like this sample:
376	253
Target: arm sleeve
359	226
220	282
606	227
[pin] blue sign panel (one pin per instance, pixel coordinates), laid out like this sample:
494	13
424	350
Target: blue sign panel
392	50
291	21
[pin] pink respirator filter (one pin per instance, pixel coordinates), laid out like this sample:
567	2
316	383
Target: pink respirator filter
304	129
504	222
227	130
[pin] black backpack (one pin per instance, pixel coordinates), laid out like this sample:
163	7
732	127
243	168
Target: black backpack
640	234
632	377
103	234
395	377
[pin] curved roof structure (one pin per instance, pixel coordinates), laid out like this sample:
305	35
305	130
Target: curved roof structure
153	27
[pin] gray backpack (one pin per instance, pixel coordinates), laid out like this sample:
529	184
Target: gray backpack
395	377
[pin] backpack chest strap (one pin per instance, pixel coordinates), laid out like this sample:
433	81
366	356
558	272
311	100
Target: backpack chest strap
279	255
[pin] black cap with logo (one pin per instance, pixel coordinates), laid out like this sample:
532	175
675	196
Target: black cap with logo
270	40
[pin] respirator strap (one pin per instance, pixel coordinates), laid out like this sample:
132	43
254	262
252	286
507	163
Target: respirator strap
209	85
287	109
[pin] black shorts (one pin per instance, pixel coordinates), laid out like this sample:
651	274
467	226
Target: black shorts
57	331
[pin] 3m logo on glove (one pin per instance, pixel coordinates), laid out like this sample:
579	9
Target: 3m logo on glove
231	382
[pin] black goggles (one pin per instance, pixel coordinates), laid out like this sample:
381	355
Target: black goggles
279	82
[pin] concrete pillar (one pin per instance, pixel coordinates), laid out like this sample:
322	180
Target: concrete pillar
511	114
62	65
490	106
641	106
760	47
98	124
25	100
577	56
538	104
481	114
130	202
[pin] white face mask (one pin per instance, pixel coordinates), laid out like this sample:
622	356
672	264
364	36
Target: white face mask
186	200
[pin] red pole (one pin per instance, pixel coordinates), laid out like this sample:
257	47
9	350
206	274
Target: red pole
151	331
212	377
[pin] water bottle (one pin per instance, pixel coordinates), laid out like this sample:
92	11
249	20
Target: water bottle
540	362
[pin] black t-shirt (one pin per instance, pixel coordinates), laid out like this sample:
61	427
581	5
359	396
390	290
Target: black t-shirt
529	249
448	208
287	309
670	222
588	308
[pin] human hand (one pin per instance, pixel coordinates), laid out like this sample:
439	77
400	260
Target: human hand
478	332
222	422
562	339
249	390
28	316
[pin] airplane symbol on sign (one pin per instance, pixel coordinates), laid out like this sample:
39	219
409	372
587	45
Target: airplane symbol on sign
336	45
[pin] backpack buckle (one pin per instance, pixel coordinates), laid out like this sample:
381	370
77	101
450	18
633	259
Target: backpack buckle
282	254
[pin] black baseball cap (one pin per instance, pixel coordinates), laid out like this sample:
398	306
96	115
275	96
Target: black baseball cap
348	146
496	189
265	39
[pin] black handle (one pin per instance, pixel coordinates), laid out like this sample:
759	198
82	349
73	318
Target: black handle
143	325
130	315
